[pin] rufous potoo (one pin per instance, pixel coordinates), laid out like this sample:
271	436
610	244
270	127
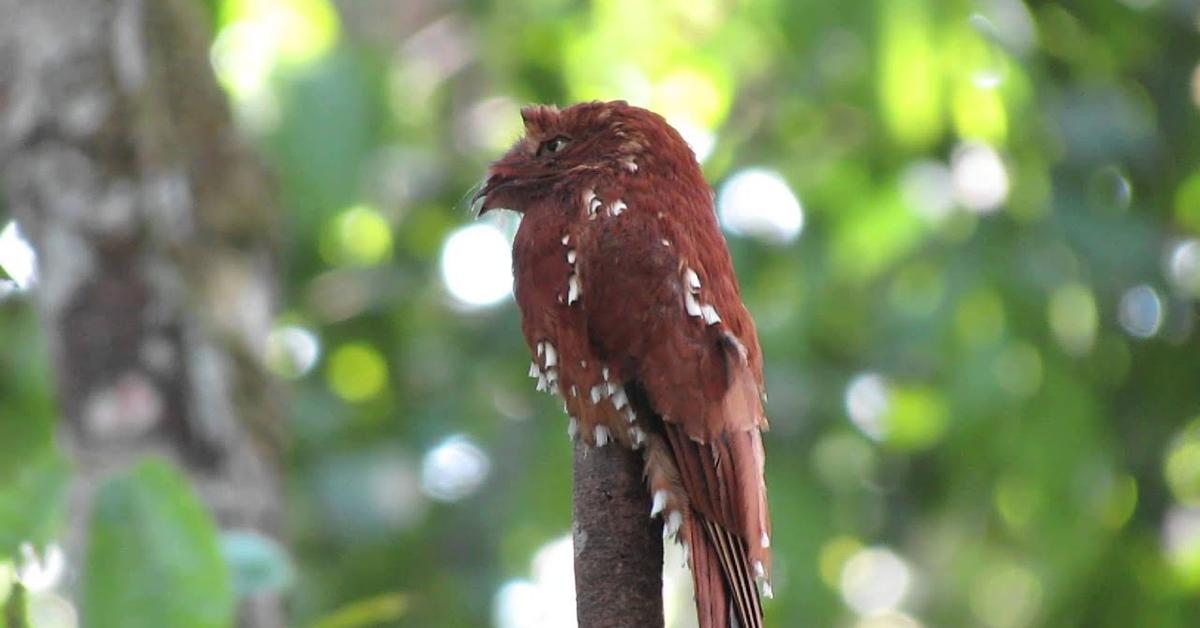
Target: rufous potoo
634	318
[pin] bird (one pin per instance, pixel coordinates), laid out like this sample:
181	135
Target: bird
633	317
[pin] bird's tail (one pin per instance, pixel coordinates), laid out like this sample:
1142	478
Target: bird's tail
726	594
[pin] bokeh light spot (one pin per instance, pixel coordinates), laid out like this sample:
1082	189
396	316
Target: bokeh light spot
1183	267
918	417
1006	595
1109	189
980	178
927	187
259	36
17	257
888	619
1141	311
875	580
1016	500
357	372
833	556
909	79
868	401
547	600
758	202
1196	86
978	108
844	461
292	351
699	139
360	236
1181	465
41	571
50	610
476	266
1073	318
1181	543
453	469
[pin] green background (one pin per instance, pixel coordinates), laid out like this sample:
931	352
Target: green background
1024	372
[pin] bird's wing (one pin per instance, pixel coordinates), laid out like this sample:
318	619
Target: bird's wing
662	309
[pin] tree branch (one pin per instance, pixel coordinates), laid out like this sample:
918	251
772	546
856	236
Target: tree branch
618	547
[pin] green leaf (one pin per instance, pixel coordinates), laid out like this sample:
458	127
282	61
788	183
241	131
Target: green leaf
32	501
153	558
374	611
12	599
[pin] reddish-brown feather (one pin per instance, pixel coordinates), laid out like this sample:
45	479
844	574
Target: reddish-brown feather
614	227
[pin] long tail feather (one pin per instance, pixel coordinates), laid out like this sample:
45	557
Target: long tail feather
739	579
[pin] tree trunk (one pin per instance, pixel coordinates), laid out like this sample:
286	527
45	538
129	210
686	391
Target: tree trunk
618	547
153	226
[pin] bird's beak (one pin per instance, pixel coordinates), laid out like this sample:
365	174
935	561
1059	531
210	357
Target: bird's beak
479	199
489	195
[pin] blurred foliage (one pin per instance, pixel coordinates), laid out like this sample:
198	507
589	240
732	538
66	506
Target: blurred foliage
176	576
980	350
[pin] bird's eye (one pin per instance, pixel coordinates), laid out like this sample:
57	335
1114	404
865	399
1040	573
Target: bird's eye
553	146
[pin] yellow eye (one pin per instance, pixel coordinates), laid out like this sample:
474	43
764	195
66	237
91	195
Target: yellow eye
554	145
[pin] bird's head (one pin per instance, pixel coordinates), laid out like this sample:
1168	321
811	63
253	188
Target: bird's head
606	138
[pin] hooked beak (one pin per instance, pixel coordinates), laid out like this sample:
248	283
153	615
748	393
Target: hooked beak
488	196
479	199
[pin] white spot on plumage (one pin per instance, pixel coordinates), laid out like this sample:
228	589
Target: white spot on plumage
604	373
592	203
551	355
630	415
542	383
709	313
687	554
572	289
552	375
611	389
619	398
666	242
597	394
541	348
554	388
617	207
583	364
671	526
566	239
660	502
630	164
573	428
767	592
574	391
692	305
765	541
601	436
571	256
693	280
637	436
759	571
534	370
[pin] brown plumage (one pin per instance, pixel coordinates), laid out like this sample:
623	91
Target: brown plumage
632	312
